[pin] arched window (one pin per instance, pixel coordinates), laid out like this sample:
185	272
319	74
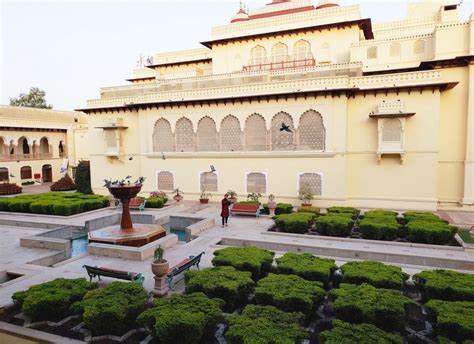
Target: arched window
312	134
208	182
302	50
230	134
4	175
419	47
3	149
184	135
23	145
282	140
372	53
207	135
62	152
279	53
392	130
325	54
25	172
162	136
258	55
165	181
44	146
311	180
255	133
395	49
256	182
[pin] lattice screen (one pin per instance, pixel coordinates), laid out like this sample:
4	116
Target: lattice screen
184	135
257	182
279	52
391	130
208	182
313	180
165	181
230	134
110	139
282	140
302	50
312	134
207	135
255	133
162	136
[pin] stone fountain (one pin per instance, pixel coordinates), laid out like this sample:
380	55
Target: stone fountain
127	234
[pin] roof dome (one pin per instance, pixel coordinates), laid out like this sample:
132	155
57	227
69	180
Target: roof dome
240	16
327	3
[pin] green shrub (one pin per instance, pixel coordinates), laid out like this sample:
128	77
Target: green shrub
256	260
454	320
183	319
281	208
154	202
379	227
264	324
289	293
343	332
343	210
385	308
446	285
374	273
294	223
51	300
379	213
336	225
4	201
113	309
306	266
411	216
83	178
248	202
19	205
41	207
313	210
66	209
223	282
430	232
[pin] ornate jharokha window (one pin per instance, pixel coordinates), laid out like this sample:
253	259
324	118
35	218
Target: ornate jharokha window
230	134
312	134
208	181
165	181
279	53
258	56
162	136
256	182
207	135
282	140
255	133
313	181
185	141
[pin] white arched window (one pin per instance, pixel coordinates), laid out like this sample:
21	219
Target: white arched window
372	53
311	180
44	145
311	132
230	134
162	136
279	53
165	181
302	50
258	55
256	182
255	133
208	181
282	140
184	135
207	135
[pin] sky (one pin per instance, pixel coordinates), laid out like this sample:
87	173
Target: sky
72	48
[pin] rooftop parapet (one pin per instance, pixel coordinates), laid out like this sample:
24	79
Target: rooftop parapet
176	57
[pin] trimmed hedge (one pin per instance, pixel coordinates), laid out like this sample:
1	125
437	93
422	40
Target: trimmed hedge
412	216
264	324
385	308
454	320
313	210
281	208
430	232
374	273
295	223
51	300
306	266
343	210
223	282
256	260
113	309
183	319
378	213
337	225
446	285
379	225
289	293
343	332
154	202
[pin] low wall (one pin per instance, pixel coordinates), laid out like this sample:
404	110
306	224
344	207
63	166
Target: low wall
132	253
46	243
10	333
51	259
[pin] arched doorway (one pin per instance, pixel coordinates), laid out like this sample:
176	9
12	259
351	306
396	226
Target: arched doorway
47	173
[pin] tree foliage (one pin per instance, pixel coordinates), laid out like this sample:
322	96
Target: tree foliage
83	178
35	98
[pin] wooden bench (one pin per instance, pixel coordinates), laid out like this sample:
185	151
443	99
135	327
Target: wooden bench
181	267
94	271
137	203
245	209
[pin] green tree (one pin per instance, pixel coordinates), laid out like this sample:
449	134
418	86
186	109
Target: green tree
35	98
83	177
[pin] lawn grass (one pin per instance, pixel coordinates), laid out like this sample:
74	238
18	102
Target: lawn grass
466	236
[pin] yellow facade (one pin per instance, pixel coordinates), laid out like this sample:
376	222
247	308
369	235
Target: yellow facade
380	115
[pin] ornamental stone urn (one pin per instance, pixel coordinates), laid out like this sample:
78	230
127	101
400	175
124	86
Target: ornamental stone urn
271	205
160	267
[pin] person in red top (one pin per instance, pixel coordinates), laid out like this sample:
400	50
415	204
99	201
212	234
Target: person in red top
225	210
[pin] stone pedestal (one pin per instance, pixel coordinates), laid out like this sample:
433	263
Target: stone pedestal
161	288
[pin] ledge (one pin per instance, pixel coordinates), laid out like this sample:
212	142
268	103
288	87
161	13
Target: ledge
243	154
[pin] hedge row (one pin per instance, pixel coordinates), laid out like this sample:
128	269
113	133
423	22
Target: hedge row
446	285
374	273
256	260
313	210
264	324
344	210
454	320
155	202
295	223
385	308
379	225
335	224
223	282
281	208
306	266
343	332
428	228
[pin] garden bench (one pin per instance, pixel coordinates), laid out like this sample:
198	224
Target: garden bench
137	203
245	209
181	267
94	271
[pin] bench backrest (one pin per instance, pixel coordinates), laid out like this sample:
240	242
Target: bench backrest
136	201
108	273
186	266
245	207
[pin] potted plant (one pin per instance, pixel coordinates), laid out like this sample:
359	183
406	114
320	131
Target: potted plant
305	194
232	196
271	204
204	198
254	197
159	266
178	196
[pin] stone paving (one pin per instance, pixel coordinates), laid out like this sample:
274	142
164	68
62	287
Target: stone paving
14	258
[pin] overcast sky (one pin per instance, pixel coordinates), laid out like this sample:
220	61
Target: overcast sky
72	48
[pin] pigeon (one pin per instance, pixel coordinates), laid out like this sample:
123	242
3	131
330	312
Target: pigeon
107	183
131	158
12	176
213	169
140	181
285	127
163	156
128	177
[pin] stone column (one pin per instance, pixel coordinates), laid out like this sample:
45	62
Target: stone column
468	199
161	289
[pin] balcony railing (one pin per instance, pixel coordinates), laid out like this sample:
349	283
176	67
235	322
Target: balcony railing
22	157
281	65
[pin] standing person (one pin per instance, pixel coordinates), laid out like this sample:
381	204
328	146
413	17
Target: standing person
225	210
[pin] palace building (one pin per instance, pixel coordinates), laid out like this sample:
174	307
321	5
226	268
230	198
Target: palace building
300	93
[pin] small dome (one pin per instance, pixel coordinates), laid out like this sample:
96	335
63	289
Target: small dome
327	3
278	1
240	16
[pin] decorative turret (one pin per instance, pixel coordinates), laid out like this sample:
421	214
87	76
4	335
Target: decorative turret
242	15
327	3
